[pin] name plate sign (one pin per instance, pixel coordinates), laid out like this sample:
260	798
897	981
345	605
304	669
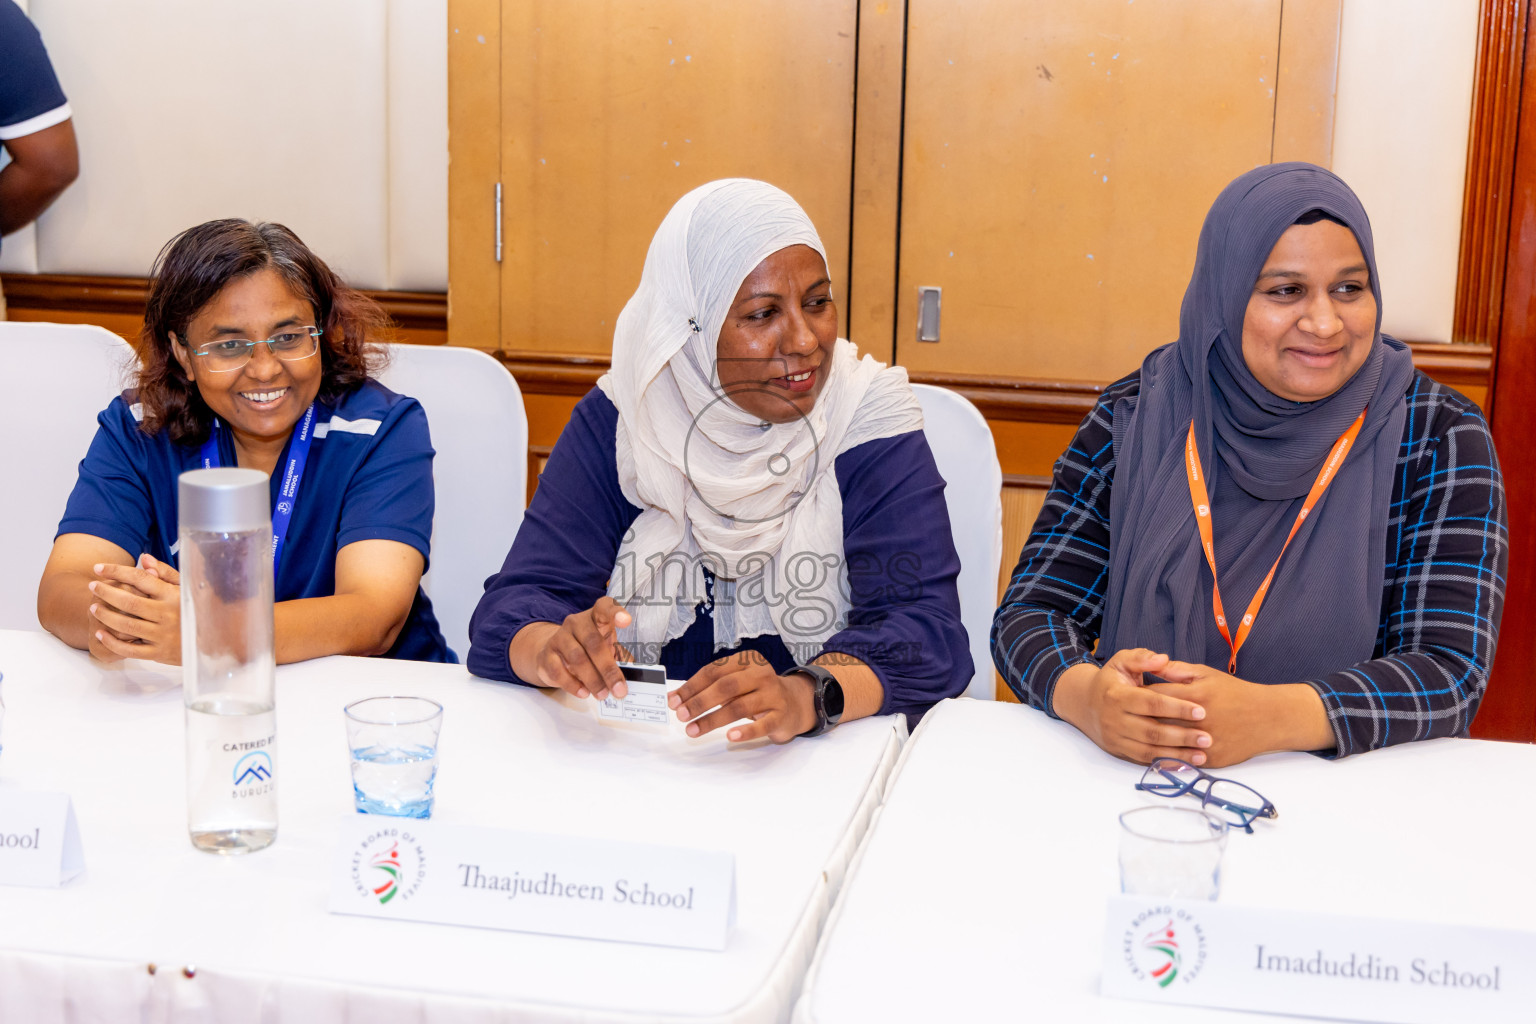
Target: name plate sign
529	882
1248	958
39	840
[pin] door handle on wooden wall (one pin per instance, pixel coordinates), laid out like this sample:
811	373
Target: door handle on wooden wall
928	313
498	222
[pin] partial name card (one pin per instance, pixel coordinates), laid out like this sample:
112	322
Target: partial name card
530	882
1316	965
646	700
39	839
646	704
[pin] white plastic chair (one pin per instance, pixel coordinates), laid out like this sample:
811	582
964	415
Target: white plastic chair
58	378
480	432
967	459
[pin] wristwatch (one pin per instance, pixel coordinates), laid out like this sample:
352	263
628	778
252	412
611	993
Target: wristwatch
827	694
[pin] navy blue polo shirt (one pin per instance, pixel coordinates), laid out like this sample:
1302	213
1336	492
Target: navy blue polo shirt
30	96
369	477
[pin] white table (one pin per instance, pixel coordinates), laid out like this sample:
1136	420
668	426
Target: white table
256	928
979	893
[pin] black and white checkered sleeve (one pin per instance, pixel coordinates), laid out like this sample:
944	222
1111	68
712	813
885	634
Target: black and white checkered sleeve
1447	556
1051	613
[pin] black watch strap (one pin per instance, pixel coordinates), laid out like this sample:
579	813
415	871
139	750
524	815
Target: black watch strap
827	694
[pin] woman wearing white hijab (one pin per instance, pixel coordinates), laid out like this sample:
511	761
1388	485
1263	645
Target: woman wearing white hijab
742	499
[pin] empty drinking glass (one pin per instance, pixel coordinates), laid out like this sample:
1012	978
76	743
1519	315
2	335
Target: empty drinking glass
393	741
1171	853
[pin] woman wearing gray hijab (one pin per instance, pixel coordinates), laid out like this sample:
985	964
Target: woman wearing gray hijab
1277	534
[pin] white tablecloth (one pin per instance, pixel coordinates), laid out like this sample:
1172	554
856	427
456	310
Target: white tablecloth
979	893
256	928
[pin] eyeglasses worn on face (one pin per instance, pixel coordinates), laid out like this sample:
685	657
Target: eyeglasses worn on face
289	345
1233	801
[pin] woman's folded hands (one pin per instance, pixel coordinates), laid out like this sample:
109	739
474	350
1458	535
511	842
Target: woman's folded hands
1142	705
1111	706
137	609
1245	719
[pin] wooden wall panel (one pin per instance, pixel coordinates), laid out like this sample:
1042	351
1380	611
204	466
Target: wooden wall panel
474	167
612	110
117	303
1306	84
876	197
1508	710
1030	448
1058	160
1490	169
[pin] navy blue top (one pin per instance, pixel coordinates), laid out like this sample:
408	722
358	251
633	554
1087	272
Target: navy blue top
369	477
28	86
904	622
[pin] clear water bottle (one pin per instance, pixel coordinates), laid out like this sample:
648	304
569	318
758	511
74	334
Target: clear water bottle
228	666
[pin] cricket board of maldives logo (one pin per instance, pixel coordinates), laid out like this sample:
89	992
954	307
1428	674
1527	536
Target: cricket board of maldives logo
388	865
1162	945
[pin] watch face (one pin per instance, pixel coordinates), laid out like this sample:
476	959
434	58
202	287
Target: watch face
832	700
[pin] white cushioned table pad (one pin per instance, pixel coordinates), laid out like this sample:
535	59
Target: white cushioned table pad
256	927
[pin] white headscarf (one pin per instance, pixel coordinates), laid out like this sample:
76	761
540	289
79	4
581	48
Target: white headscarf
757	503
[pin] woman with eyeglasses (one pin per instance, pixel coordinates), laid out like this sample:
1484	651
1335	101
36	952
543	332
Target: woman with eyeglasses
1280	535
253	354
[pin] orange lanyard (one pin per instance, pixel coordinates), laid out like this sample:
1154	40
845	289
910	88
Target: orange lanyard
1202	502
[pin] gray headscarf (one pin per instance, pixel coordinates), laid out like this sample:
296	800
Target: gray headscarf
1260	453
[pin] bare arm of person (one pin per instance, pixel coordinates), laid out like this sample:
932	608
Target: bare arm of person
43	164
376	583
93	596
65	597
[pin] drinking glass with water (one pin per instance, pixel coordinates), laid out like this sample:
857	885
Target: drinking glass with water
393	741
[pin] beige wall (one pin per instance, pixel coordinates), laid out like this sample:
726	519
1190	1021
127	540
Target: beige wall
327	115
19	251
1400	139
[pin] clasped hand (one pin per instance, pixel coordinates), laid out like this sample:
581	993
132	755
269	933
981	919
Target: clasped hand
1192	712
139	611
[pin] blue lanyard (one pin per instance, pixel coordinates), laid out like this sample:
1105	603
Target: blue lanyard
288	497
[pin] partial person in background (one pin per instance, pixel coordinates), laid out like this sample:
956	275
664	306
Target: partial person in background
35	126
254	354
742	499
1279	534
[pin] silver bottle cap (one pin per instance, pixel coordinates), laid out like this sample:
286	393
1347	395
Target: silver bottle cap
225	500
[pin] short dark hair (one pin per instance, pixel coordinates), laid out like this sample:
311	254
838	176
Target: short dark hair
195	266
1313	216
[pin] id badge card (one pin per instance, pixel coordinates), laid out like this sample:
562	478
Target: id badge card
646	702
